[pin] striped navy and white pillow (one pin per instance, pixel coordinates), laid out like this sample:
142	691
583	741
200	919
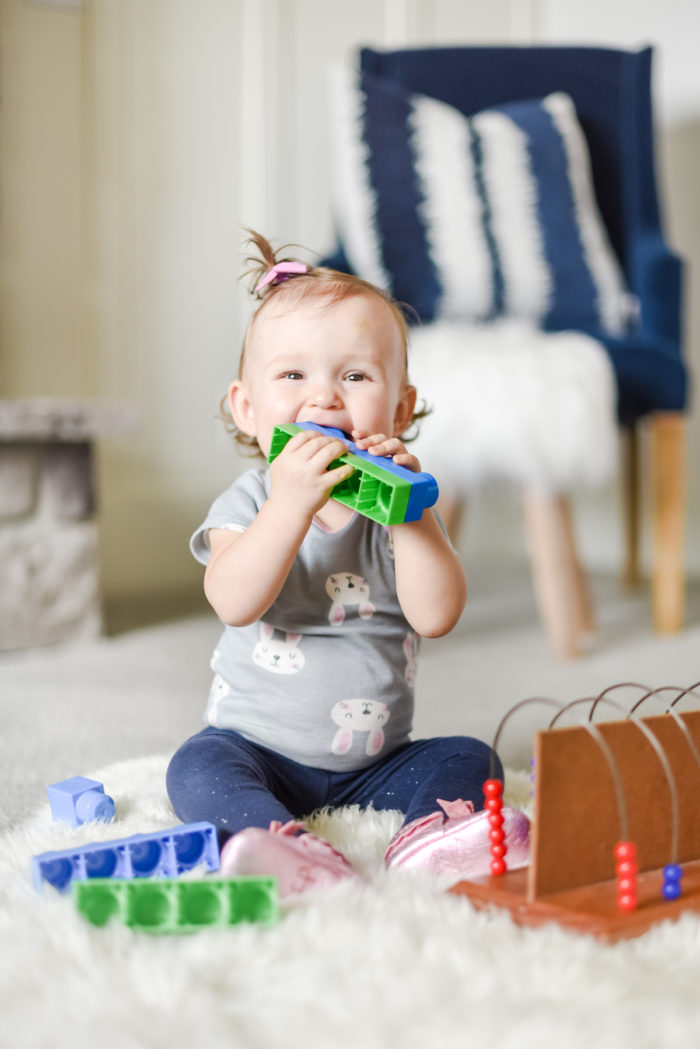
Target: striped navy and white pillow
473	218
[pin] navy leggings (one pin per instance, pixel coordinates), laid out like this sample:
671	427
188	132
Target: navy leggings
221	777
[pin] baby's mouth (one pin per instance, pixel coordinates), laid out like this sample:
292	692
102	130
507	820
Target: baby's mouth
322	419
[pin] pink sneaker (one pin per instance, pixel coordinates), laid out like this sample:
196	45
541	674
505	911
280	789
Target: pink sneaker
299	861
456	841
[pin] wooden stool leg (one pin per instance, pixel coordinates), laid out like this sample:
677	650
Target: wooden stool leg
584	603
451	506
668	495
555	570
630	505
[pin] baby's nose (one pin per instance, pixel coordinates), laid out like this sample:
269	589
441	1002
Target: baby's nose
325	395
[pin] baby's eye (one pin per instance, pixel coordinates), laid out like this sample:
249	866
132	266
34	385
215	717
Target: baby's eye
355	376
292	375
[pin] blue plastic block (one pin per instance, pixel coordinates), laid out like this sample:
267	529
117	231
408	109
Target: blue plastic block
179	906
379	488
164	854
80	800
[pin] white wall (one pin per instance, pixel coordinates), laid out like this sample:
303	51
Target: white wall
140	135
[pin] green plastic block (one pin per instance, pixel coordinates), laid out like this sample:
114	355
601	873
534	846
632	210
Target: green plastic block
378	489
173	905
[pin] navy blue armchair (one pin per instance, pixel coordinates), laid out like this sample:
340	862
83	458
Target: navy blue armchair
611	92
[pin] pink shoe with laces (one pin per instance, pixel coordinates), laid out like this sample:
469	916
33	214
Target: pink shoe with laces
455	842
299	861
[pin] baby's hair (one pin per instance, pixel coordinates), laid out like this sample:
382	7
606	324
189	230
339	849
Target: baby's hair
315	284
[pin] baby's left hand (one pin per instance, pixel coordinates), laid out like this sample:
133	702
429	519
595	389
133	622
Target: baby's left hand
380	444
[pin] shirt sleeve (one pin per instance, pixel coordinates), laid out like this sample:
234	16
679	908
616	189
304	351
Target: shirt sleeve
233	510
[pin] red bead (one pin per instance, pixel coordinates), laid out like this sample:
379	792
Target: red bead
498	851
625	850
497	835
626	870
498	867
493	788
493	804
496	819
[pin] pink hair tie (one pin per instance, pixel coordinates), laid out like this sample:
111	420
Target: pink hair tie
281	271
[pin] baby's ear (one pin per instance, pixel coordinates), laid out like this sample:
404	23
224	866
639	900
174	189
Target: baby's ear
404	410
241	408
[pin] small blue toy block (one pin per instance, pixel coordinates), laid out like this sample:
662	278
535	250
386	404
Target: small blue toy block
179	906
379	488
80	800
164	854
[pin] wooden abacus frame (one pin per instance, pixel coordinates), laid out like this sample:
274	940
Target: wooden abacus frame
577	822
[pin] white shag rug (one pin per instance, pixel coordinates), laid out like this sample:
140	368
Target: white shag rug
536	409
395	963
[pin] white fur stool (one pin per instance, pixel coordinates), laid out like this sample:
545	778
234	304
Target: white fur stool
533	408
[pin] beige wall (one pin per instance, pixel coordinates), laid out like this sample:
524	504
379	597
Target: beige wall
43	218
138	136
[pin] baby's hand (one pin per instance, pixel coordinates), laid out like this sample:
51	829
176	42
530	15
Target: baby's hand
380	444
299	475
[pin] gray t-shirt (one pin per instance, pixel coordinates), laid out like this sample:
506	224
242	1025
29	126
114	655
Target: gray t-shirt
326	678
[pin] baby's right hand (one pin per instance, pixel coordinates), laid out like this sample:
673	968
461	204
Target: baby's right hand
299	476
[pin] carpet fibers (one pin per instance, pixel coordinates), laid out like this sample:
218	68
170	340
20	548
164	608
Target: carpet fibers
395	963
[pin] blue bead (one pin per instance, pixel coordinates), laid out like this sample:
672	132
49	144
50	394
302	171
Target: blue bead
672	881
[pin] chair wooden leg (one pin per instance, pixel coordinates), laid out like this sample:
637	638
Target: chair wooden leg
557	575
668	496
630	505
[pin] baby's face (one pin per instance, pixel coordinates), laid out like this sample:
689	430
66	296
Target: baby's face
340	366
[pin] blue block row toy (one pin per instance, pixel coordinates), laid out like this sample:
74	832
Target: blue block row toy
165	854
379	488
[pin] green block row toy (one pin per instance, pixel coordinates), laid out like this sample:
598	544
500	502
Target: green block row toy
379	488
174	905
